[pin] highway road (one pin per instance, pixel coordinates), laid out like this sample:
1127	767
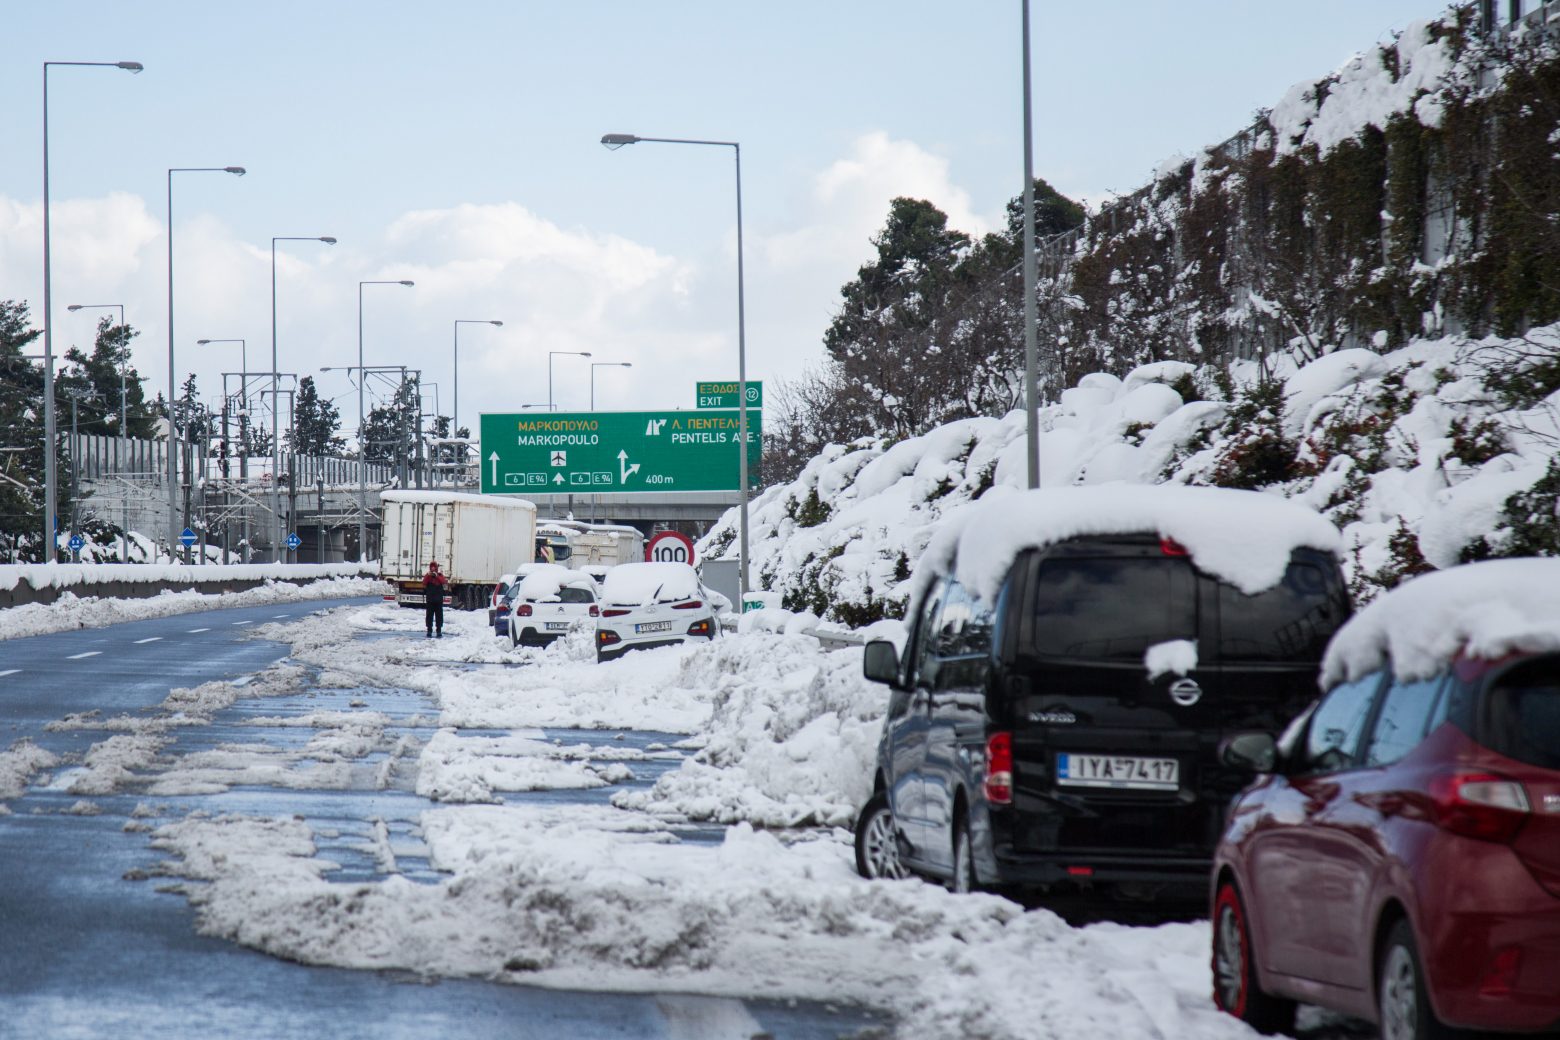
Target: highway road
90	946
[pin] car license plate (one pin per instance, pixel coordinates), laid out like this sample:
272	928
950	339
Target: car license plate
1118	772
558	626
653	626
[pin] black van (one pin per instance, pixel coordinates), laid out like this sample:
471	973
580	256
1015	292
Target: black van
1026	744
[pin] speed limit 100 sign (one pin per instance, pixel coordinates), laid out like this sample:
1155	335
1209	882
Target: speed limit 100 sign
670	547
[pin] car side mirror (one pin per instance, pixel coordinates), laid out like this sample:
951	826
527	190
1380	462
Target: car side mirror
1252	752
880	662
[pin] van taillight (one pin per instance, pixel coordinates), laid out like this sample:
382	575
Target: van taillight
999	769
1171	547
1479	805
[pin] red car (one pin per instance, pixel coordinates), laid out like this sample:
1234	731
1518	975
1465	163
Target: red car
1399	857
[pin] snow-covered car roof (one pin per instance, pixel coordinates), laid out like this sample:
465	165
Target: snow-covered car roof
544	582
1242	537
1484	610
631	584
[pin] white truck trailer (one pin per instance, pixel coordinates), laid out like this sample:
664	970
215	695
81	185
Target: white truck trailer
476	539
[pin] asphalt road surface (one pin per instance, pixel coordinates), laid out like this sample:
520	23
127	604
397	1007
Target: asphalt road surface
90	947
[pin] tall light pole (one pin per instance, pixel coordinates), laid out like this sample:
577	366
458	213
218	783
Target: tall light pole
362	447
50	462
552	354
276	446
173	388
603	364
616	141
1031	348
455	419
124	352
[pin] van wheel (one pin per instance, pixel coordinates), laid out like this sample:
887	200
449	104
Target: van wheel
963	879
1235	988
1402	997
877	841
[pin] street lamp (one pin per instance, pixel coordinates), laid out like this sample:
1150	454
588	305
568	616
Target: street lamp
455	419
603	364
615	141
362	453
276	454
124	422
173	432
50	463
1031	349
552	354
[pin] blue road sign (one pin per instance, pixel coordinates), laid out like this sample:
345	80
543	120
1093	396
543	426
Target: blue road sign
76	542
188	537
293	541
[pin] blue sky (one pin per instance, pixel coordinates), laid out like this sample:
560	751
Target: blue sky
456	144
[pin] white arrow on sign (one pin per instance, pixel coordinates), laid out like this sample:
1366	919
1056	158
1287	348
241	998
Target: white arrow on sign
493	458
626	469
558	479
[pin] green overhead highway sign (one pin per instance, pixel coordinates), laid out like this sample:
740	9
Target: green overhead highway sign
724	395
582	452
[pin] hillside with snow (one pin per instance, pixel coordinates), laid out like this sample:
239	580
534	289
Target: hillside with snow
1423	457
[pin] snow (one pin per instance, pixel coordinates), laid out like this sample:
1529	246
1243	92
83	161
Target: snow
19	764
68	575
637	584
1242	537
542	584
1484	610
1175	657
72	612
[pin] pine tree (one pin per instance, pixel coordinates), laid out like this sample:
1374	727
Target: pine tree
315	423
21	434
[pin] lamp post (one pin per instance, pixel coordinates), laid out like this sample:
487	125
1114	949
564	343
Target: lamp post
276	456
362	454
552	354
50	462
1031	349
124	421
603	364
173	430
616	141
455	419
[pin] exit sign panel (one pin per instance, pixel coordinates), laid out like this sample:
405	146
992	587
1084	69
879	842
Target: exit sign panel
581	452
724	395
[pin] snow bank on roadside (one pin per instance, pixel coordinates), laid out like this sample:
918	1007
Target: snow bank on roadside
71	611
69	575
791	739
571	897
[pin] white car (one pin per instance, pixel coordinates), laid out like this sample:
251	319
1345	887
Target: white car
548	601
652	604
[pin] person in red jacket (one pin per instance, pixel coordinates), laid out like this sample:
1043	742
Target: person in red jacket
433	599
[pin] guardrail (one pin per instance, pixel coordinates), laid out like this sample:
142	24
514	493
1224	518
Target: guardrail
828	638
21	584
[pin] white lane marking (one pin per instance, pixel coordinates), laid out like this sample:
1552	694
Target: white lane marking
153	639
243	622
194	630
9	671
275	616
89	653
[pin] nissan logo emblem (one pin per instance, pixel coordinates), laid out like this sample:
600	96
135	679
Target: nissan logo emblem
1185	692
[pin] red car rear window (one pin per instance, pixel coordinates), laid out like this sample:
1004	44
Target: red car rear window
1522	713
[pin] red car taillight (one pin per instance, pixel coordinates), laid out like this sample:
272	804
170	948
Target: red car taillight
692	604
613	613
999	769
699	628
523	610
1485	806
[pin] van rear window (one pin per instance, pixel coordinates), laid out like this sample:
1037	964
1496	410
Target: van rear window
1113	608
1289	622
1522	714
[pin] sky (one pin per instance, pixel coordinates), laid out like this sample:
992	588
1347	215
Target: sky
457	145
